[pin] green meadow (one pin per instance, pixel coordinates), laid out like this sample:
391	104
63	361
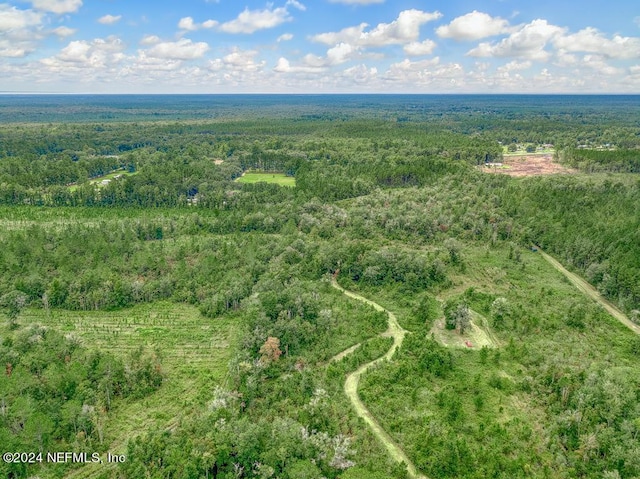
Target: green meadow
266	177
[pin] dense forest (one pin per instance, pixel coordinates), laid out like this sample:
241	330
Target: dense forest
158	308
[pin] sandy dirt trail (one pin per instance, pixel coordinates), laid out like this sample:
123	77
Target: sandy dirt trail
590	291
395	331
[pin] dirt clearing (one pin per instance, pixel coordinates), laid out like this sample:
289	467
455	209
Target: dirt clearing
476	336
527	165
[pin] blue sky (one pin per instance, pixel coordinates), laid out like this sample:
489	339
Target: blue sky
320	46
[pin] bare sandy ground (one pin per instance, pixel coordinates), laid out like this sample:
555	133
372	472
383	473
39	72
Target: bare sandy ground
528	165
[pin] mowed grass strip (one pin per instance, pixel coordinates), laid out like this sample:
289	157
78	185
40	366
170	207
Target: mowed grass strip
276	178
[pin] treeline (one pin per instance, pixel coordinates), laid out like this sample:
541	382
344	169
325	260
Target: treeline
107	266
179	165
590	225
613	160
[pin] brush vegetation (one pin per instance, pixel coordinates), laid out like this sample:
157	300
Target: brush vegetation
188	320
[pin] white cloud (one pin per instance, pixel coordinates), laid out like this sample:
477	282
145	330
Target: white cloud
285	37
57	6
13	19
10	50
150	40
429	74
340	53
296	4
94	54
349	34
515	66
188	24
564	59
238	61
19	31
482	66
598	63
357	2
250	21
183	49
527	43
473	26
63	31
75	51
416	49
407	65
145	67
315	61
361	75
406	28
351	43
593	41
109	19
284	66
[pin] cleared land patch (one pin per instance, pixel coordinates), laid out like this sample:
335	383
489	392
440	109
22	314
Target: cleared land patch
476	336
530	164
194	353
180	332
261	177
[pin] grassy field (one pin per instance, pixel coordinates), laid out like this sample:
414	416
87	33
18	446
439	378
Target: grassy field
276	178
195	352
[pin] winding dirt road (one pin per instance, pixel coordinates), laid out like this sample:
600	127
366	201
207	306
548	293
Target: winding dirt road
593	293
395	331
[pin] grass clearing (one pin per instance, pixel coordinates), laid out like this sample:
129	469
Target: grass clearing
475	337
262	177
194	350
180	333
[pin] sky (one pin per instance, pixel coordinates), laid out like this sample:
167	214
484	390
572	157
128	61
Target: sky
320	46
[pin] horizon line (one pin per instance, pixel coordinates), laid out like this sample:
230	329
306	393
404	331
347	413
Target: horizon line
36	93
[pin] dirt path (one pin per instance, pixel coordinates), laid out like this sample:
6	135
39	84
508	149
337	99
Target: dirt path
590	291
396	332
344	353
